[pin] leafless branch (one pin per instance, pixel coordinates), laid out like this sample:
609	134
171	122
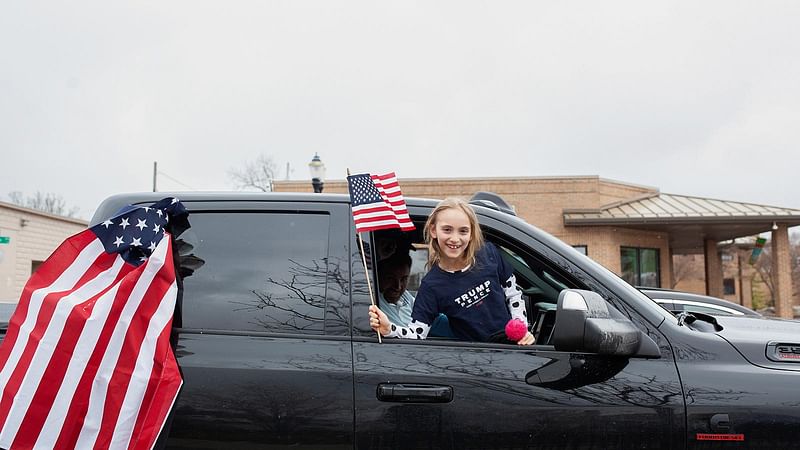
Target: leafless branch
47	202
257	174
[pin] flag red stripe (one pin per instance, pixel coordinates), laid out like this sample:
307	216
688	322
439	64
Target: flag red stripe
164	384
385	208
131	406
397	206
57	367
385	176
108	388
389	196
43	320
118	385
382	204
383	227
400	209
76	411
390	193
23	406
387	186
379	213
46	275
371	209
381	219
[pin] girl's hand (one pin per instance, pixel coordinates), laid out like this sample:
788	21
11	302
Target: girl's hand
379	322
528	339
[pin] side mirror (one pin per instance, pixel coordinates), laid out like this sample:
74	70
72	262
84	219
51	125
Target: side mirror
585	322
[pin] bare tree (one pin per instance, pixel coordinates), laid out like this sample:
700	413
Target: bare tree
794	249
47	202
764	270
16	198
685	267
257	174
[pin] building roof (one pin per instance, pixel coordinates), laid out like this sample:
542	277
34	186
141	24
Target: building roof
688	220
37	212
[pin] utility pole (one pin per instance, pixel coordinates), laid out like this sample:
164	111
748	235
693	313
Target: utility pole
155	171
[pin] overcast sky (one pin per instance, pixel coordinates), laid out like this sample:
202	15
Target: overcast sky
696	98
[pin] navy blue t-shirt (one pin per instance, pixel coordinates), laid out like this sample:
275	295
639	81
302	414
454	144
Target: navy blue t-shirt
473	300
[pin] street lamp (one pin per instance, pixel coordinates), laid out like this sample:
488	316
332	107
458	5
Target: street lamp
317	169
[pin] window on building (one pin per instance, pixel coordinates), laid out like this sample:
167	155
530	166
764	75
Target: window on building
582	248
255	272
640	266
35	265
729	286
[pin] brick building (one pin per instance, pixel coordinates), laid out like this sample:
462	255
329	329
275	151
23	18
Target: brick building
28	237
633	230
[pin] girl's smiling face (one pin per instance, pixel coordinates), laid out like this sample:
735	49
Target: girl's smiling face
452	233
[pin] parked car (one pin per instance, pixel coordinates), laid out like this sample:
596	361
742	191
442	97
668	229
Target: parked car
6	310
275	347
678	302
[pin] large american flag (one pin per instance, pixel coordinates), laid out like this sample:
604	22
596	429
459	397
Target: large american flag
86	362
378	203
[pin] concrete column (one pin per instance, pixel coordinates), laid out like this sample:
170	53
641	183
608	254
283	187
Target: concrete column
671	269
782	272
713	269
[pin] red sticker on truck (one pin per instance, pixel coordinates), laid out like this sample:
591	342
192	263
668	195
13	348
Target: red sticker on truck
719	437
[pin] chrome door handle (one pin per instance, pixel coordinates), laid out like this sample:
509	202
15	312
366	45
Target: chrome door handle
414	393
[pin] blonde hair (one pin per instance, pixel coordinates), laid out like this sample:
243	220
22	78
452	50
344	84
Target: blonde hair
476	236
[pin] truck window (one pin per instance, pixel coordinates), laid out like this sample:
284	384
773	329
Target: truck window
263	272
540	280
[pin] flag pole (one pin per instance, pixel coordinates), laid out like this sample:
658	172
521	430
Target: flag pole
366	272
369	284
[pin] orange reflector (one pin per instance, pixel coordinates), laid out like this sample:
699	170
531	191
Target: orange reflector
719	437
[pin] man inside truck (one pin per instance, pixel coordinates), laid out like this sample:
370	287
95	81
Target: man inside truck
394	267
394	299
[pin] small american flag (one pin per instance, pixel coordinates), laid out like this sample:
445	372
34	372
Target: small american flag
86	361
378	203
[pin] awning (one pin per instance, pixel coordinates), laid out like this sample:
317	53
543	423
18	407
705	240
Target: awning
687	220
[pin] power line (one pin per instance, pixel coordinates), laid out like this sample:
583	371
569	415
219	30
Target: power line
179	182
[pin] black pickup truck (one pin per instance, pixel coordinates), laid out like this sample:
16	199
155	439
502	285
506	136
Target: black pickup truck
273	339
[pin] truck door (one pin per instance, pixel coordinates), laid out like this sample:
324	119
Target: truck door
264	342
441	393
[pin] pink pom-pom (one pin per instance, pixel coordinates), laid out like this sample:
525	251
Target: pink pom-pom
516	330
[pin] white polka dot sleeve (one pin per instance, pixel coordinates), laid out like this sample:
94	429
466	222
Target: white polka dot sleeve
414	330
516	306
